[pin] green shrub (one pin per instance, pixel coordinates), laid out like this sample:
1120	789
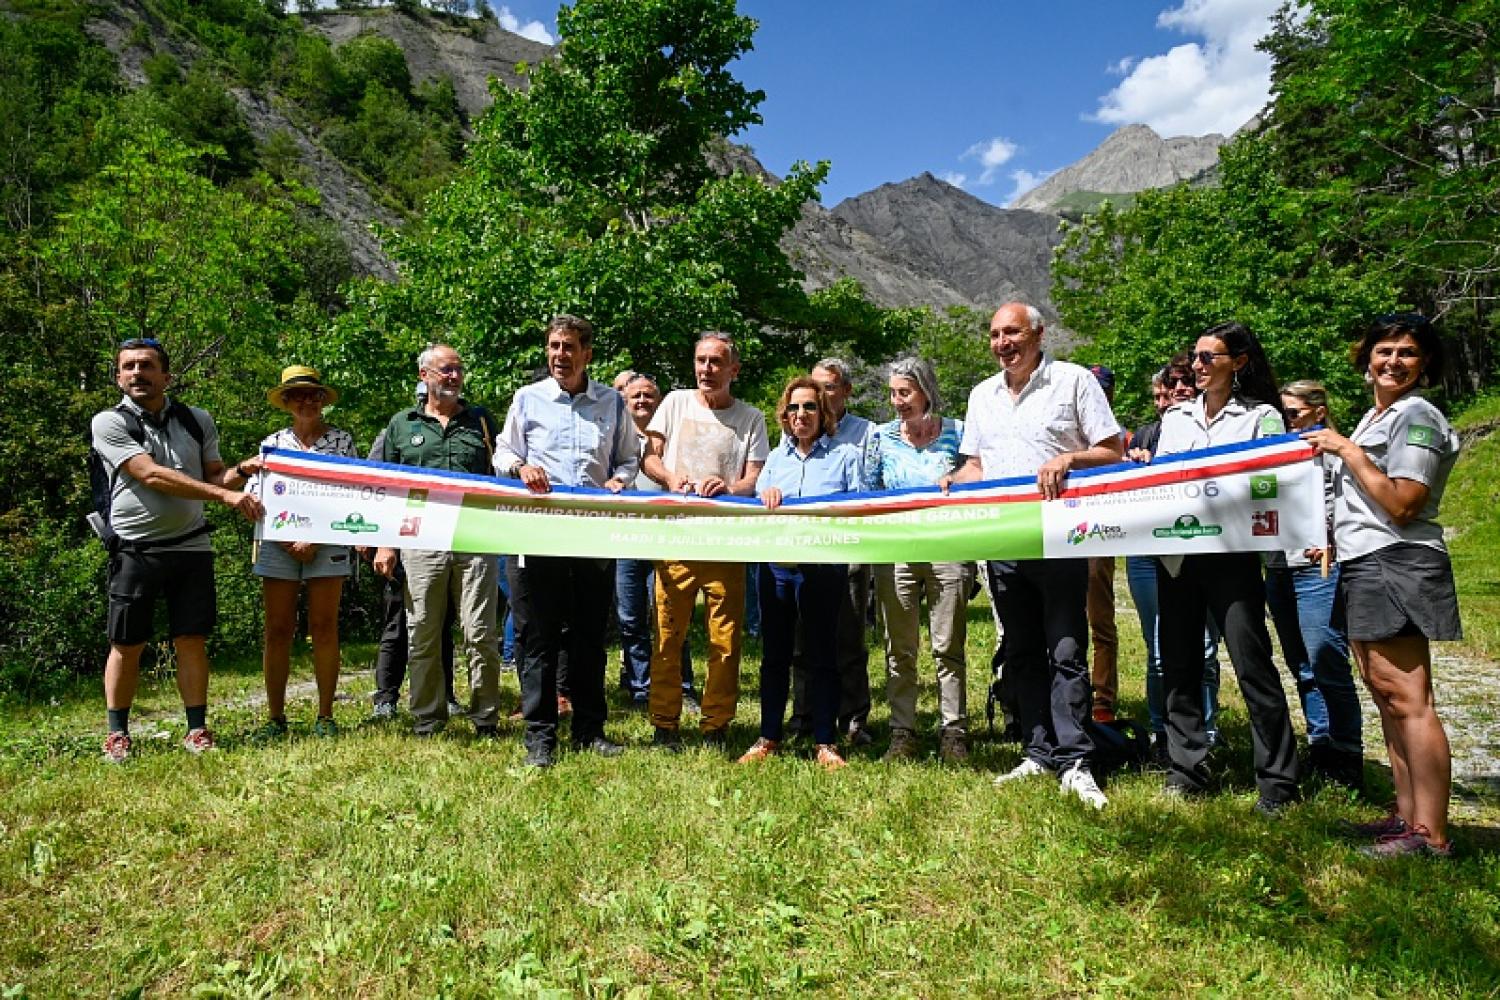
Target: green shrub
53	602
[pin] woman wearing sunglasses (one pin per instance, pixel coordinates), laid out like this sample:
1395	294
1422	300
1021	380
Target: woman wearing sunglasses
1396	590
1237	402
284	567
807	463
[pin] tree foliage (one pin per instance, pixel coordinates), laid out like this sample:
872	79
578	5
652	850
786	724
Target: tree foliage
594	190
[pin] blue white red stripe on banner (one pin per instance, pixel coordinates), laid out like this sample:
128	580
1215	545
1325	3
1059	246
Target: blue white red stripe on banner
1257	496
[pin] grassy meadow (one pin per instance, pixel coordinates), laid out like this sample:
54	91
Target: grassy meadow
378	865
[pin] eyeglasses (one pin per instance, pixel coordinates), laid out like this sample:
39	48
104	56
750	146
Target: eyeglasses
448	369
792	408
1175	380
1207	357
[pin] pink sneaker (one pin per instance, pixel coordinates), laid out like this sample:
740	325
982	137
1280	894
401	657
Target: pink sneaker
198	740
1413	841
117	747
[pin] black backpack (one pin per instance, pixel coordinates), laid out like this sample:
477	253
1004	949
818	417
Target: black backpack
1120	744
102	479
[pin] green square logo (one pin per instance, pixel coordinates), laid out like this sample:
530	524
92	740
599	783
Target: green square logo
1422	436
416	498
1263	487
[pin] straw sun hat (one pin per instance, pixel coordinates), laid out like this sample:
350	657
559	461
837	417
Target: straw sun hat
299	377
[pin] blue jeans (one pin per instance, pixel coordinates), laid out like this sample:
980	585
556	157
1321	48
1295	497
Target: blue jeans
1140	573
1301	605
633	590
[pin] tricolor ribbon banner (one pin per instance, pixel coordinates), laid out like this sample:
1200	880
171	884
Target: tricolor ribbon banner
1259	496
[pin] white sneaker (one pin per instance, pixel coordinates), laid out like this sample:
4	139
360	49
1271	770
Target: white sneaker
1028	768
1079	780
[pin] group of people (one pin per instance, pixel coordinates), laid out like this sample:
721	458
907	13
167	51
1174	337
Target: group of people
1390	590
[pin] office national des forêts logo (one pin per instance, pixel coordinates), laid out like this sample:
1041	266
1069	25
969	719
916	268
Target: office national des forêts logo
1188	526
354	524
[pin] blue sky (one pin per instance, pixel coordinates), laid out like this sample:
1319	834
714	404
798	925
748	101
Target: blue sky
992	95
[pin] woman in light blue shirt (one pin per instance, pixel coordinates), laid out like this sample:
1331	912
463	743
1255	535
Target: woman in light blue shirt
918	448
807	463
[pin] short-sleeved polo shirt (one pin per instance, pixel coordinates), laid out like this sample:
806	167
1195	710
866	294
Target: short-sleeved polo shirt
413	437
1060	410
1410	439
1186	427
137	512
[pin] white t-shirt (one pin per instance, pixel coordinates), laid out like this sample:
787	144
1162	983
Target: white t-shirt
1061	409
701	442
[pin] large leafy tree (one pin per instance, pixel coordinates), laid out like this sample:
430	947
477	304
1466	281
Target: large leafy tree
602	188
1142	283
1387	118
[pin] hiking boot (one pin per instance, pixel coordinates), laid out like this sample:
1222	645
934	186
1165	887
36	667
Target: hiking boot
859	736
1414	841
273	730
599	746
828	758
760	750
454	708
1079	780
1389	825
903	746
953	746
325	727
117	747
384	711
1271	808
539	757
1028	768
666	739
199	740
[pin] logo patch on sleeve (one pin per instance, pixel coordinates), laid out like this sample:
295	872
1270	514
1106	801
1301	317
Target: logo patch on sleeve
1422	436
1270	423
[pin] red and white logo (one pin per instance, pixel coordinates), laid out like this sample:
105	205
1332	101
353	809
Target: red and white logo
1264	522
411	527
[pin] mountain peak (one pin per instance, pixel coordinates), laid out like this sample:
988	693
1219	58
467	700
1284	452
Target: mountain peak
1133	158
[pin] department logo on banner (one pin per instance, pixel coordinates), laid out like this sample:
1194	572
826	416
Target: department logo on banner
1264	523
1263	487
1188	526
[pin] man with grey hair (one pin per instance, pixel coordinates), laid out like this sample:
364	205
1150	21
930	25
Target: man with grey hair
1041	418
853	654
447	433
707	442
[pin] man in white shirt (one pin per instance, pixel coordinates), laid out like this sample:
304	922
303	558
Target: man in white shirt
1041	418
707	442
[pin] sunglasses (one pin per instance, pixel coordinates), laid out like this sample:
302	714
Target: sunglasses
1174	380
304	396
1207	357
792	408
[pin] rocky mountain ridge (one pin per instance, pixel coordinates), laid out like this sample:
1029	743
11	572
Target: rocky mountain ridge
1133	158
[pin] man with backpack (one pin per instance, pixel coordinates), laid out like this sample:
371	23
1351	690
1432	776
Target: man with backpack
154	463
450	434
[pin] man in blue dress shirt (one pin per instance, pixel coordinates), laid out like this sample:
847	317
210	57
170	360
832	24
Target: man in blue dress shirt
570	430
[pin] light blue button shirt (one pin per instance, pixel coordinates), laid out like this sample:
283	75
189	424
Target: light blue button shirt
829	468
578	440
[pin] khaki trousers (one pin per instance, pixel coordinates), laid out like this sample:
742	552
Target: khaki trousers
677	588
471	582
900	590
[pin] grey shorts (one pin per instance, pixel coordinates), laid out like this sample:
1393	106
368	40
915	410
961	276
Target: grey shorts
1402	589
330	560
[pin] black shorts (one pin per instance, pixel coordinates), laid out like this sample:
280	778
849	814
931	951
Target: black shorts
136	579
1402	589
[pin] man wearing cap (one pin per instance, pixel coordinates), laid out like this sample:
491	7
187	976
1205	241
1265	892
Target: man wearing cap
1105	675
449	434
163	463
565	430
1041	418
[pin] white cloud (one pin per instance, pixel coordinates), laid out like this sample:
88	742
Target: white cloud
1122	67
1023	181
953	177
1215	85
534	30
992	154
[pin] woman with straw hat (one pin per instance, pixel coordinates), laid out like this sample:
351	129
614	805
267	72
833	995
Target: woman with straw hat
285	566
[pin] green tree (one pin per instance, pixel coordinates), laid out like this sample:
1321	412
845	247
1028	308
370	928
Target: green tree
1140	284
592	191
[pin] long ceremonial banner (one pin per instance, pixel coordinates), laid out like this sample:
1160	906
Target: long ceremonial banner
1262	495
